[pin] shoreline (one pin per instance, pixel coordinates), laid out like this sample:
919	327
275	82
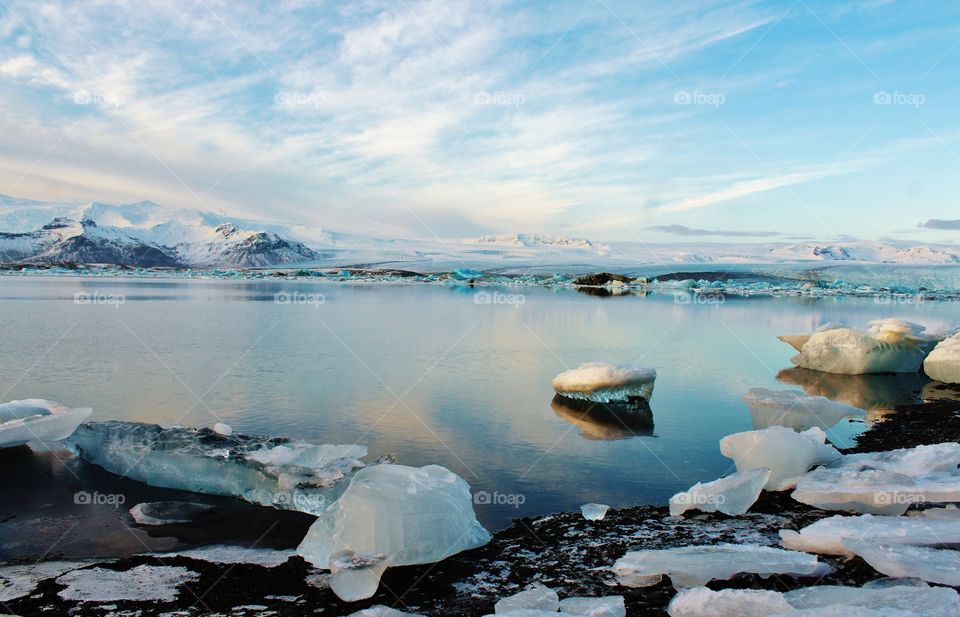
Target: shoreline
563	551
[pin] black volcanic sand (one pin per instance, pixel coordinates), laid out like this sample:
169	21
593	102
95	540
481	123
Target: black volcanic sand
563	551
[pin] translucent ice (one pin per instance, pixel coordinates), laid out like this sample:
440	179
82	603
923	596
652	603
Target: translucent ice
222	429
607	606
828	536
356	576
381	611
704	602
535	597
886	346
408	515
731	495
279	472
606	383
594	511
943	363
902	560
787	453
922	601
691	566
37	420
795	410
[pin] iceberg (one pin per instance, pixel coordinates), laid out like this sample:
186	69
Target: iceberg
886	346
902	560
943	363
601	382
787	453
37	420
796	410
828	536
732	495
693	566
274	471
405	515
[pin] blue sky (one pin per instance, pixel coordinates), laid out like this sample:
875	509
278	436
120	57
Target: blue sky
612	120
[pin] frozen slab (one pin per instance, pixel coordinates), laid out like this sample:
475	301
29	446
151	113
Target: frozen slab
409	515
601	382
607	606
38	420
914	462
594	511
733	494
141	584
787	453
269	471
705	602
886	346
20	580
829	536
943	363
230	554
382	611
902	560
692	566
947	513
796	410
536	597
171	512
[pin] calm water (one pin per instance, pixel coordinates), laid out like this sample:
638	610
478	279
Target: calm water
421	371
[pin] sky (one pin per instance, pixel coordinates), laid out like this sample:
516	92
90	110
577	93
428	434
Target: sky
616	121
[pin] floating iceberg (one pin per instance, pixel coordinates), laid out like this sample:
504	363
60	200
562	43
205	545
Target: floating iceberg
594	511
886	483
692	566
787	453
828	536
886	346
795	410
943	363
731	495
902	560
606	383
278	472
39	420
536	597
605	421
406	515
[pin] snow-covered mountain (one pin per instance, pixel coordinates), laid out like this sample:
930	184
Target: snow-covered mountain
535	240
867	252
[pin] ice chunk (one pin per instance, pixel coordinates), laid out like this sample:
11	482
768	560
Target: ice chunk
230	554
222	429
410	515
795	410
704	602
691	566
356	576
37	420
886	346
607	606
605	383
914	462
731	495
788	454
930	564
594	511
143	583
828	536
948	513
382	611
278	472
171	512
943	363
922	601
535	597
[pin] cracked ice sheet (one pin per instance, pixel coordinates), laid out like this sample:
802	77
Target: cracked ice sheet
17	581
143	583
224	553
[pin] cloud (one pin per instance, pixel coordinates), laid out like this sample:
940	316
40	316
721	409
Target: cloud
683	230
941	224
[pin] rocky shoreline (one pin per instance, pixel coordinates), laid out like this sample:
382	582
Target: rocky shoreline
563	551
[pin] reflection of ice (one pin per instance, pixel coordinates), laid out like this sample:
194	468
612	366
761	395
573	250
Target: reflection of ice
936	390
877	394
605	421
795	410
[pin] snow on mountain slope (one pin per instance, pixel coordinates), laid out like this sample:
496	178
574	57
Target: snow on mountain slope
866	251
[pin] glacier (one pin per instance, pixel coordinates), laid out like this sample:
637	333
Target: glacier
38	420
601	382
731	495
402	515
787	453
943	363
796	410
268	471
828	536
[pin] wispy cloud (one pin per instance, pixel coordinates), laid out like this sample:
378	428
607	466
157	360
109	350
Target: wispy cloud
941	224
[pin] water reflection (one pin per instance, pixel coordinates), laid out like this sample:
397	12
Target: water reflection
605	421
877	394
